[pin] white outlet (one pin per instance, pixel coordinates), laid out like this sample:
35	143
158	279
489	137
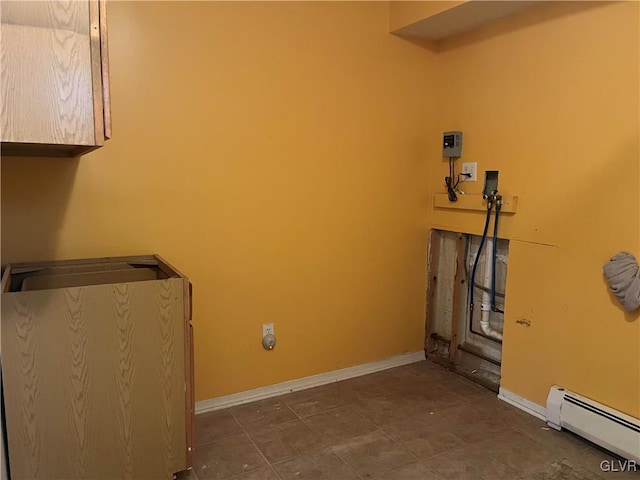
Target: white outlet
267	329
472	168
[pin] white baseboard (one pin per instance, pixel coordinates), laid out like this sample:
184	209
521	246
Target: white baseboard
306	382
523	404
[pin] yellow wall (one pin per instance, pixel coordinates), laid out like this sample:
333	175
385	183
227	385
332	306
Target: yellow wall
276	153
550	98
283	156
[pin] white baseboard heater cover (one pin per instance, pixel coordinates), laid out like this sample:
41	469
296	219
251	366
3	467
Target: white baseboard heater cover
604	426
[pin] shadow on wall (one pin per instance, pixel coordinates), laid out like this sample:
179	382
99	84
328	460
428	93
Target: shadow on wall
34	188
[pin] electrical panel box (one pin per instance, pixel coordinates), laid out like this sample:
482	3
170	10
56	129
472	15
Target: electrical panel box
490	183
452	144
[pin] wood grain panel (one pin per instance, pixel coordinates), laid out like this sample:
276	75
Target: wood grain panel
106	83
190	397
94	380
165	370
96	71
125	376
60	14
457	281
76	394
43	282
190	400
21	373
45	75
474	202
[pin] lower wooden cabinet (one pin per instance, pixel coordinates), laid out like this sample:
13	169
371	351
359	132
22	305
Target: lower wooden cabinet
97	369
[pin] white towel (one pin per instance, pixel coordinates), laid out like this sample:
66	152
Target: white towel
623	274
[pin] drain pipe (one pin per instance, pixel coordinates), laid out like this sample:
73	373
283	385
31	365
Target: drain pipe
485	306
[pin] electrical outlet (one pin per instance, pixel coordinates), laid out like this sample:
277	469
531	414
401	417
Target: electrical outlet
267	329
472	168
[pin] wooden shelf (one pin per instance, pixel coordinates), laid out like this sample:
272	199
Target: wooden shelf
474	203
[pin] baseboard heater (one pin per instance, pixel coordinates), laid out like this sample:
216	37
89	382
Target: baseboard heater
604	426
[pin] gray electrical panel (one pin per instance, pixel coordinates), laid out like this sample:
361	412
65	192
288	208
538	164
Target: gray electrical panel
452	144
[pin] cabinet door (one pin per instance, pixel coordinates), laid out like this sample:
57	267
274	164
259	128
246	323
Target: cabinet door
94	381
51	74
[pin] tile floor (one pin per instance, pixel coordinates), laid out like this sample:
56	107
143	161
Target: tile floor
418	422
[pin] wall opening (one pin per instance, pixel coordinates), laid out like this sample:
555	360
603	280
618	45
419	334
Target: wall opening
457	337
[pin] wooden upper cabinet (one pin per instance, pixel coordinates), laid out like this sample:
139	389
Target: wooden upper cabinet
54	77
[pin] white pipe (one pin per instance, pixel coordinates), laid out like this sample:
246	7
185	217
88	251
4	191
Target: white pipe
485	325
